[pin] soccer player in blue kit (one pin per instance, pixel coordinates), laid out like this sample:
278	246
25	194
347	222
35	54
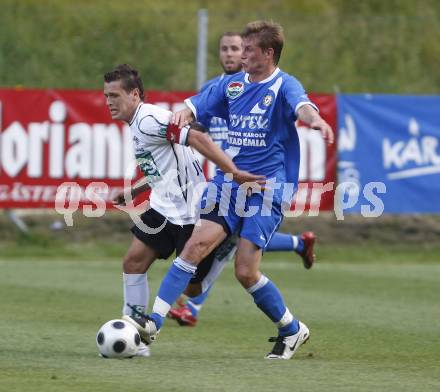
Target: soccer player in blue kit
186	314
261	105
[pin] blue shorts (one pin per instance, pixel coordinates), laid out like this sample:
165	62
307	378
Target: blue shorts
255	217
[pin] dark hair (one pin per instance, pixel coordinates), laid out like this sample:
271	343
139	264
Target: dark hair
129	77
268	34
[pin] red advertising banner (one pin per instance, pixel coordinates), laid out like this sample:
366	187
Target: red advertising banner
51	137
317	173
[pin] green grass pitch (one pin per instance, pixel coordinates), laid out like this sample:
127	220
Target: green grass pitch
374	327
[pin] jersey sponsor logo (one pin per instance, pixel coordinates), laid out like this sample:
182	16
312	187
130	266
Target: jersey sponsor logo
247	139
246	142
163	131
252	122
234	89
147	165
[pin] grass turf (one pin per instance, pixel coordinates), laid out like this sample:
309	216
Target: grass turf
374	327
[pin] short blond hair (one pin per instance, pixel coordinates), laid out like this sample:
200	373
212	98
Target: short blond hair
268	34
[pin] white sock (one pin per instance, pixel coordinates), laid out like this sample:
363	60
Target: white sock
285	320
161	307
195	306
136	291
295	241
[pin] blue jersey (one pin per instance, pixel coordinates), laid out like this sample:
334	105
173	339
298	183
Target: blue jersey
217	127
261	116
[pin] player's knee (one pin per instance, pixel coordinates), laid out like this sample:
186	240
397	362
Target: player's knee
132	264
245	276
194	250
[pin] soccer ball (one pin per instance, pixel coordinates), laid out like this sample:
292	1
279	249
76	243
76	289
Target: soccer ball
118	339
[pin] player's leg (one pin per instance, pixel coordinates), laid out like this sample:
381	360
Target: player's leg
136	262
206	236
254	234
201	284
145	248
187	311
207	277
301	244
211	229
282	242
158	245
291	332
266	295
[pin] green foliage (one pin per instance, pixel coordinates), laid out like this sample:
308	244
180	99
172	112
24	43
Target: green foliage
345	45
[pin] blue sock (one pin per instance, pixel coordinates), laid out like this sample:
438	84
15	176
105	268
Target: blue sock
280	242
195	303
268	298
172	286
285	242
299	246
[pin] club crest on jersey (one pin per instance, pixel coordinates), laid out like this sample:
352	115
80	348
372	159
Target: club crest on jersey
234	89
267	100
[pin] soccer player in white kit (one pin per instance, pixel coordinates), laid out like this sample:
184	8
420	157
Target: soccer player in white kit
171	171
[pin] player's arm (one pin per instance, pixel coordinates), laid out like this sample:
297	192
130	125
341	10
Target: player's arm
131	193
309	115
195	135
210	102
299	106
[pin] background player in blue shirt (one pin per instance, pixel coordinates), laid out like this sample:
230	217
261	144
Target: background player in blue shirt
230	50
261	106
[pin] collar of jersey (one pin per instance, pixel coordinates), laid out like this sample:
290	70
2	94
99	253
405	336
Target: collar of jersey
268	79
135	113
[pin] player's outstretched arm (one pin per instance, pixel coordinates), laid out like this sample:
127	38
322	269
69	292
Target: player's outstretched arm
311	117
205	146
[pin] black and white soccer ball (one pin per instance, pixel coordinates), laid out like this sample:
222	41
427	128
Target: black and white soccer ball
118	339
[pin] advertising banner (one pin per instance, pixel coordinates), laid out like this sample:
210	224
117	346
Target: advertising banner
317	173
51	137
389	153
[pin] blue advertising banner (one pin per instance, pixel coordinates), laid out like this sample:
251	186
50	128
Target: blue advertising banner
389	153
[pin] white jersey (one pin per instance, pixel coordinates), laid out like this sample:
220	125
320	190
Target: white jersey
169	165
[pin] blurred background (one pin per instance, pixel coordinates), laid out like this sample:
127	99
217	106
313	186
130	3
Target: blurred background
331	45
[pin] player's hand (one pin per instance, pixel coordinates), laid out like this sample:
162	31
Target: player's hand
326	130
182	117
119	199
242	176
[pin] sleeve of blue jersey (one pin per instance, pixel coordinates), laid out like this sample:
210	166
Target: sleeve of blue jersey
295	96
210	102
